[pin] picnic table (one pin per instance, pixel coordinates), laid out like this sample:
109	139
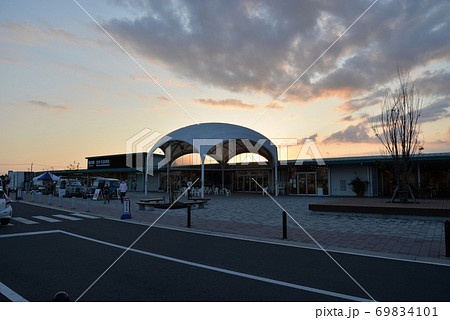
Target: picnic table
149	202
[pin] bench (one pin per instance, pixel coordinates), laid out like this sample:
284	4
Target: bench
149	202
159	200
201	201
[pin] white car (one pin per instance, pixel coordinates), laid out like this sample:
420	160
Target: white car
5	208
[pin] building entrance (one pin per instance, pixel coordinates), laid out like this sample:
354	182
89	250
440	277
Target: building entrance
244	181
307	183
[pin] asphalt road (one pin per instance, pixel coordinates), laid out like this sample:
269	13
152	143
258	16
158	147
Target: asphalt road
53	254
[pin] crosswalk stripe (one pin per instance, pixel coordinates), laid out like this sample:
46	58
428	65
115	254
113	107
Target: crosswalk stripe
85	216
26	221
62	216
48	219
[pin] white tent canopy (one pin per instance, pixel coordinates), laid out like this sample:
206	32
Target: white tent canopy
221	141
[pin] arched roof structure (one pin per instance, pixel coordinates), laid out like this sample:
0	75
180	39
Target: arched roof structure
209	138
221	141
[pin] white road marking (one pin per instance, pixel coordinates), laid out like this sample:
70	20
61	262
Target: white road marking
48	219
26	221
226	271
11	295
85	216
199	265
24	234
62	216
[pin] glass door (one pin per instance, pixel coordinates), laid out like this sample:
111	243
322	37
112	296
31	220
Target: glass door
301	186
311	182
307	183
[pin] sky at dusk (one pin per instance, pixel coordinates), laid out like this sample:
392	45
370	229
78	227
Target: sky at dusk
69	91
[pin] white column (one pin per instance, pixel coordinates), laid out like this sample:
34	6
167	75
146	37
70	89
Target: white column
203	178
276	178
145	187
168	177
146	174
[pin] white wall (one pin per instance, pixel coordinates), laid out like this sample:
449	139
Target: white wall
347	173
17	179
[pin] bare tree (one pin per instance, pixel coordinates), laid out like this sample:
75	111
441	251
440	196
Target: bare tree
73	166
399	130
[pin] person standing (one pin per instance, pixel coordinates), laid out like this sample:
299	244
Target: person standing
189	191
106	193
122	190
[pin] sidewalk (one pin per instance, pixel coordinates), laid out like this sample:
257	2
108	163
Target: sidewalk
259	217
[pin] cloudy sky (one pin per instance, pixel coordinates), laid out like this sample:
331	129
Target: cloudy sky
68	90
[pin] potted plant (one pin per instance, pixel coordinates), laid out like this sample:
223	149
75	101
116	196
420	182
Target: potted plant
358	186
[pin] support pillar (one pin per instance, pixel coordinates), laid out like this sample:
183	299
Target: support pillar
146	175
223	178
168	178
203	178
276	178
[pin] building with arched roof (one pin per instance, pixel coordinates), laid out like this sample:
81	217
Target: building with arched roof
220	141
217	164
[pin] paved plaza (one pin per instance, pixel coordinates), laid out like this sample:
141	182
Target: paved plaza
253	215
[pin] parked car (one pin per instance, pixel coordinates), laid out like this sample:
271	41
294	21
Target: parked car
98	183
5	208
69	188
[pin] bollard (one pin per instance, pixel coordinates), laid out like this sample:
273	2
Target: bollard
284	225
73	203
61	296
88	205
32	197
60	201
188	216
50	199
40	197
447	237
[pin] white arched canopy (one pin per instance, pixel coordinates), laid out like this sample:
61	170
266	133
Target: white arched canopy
221	141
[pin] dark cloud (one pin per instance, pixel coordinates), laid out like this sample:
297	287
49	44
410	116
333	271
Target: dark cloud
163	99
358	103
435	111
226	103
265	45
46	105
313	137
347	118
354	134
433	83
